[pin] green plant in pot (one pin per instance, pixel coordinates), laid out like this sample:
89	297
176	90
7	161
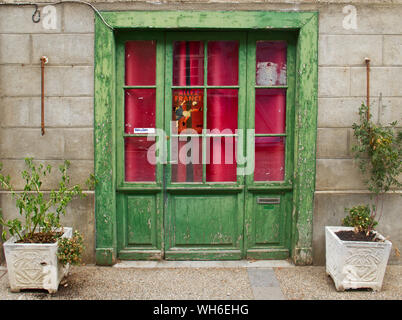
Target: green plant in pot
38	241
356	254
379	152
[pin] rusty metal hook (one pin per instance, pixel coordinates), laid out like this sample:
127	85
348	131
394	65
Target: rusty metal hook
44	60
367	60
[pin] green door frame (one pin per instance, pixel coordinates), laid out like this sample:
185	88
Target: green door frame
306	23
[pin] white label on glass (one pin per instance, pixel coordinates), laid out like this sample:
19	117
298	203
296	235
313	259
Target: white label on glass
144	130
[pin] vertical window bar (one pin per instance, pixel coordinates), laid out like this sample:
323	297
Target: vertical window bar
204	141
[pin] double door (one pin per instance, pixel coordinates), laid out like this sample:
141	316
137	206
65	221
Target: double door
204	135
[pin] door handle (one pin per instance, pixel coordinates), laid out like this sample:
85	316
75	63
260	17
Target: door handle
268	200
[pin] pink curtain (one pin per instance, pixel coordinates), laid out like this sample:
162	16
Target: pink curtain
188	70
137	166
140	63
139	111
223	70
270	111
269	159
222	116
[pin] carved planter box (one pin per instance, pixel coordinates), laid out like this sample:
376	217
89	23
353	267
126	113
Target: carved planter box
355	264
34	265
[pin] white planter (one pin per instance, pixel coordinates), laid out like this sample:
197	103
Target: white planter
355	264
34	265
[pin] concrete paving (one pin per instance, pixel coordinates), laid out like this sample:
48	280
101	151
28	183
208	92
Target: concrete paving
203	280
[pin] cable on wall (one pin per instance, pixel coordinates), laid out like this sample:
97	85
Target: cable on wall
36	14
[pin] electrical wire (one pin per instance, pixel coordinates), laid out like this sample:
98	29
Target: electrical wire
37	12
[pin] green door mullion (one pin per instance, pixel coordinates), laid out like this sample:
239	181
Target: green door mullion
120	111
270	87
204	115
270	135
290	109
168	103
139	87
251	63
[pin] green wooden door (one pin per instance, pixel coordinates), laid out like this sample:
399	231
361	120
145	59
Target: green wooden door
271	65
204	90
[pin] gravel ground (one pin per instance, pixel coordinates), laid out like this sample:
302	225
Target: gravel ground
312	283
105	283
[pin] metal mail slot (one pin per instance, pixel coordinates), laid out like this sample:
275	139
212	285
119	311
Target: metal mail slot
268	200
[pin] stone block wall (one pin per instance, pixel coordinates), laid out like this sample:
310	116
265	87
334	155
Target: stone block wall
68	104
69	97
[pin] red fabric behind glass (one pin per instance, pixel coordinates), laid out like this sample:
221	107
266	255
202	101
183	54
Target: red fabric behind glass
222	109
270	111
137	166
223	63
139	109
188	70
225	171
140	63
222	114
188	63
269	159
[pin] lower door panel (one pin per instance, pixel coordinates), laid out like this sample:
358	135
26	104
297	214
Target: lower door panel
139	226
204	227
267	225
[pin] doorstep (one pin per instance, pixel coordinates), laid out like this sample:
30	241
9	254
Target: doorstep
205	264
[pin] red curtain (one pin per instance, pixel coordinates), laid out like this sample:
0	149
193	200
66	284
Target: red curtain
188	70
139	111
223	70
270	111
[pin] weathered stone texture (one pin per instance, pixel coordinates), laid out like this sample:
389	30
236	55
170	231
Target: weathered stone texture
348	50
64	49
15	48
333	81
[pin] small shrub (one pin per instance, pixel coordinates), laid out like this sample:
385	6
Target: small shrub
41	214
70	250
360	217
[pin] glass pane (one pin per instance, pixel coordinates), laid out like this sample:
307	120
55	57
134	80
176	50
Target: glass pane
271	63
138	161
223	63
139	111
270	111
221	159
187	158
140	63
269	159
188	110
188	63
222	110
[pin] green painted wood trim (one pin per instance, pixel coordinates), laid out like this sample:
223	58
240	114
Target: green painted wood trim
215	254
207	19
268	254
305	142
128	254
104	145
214	190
